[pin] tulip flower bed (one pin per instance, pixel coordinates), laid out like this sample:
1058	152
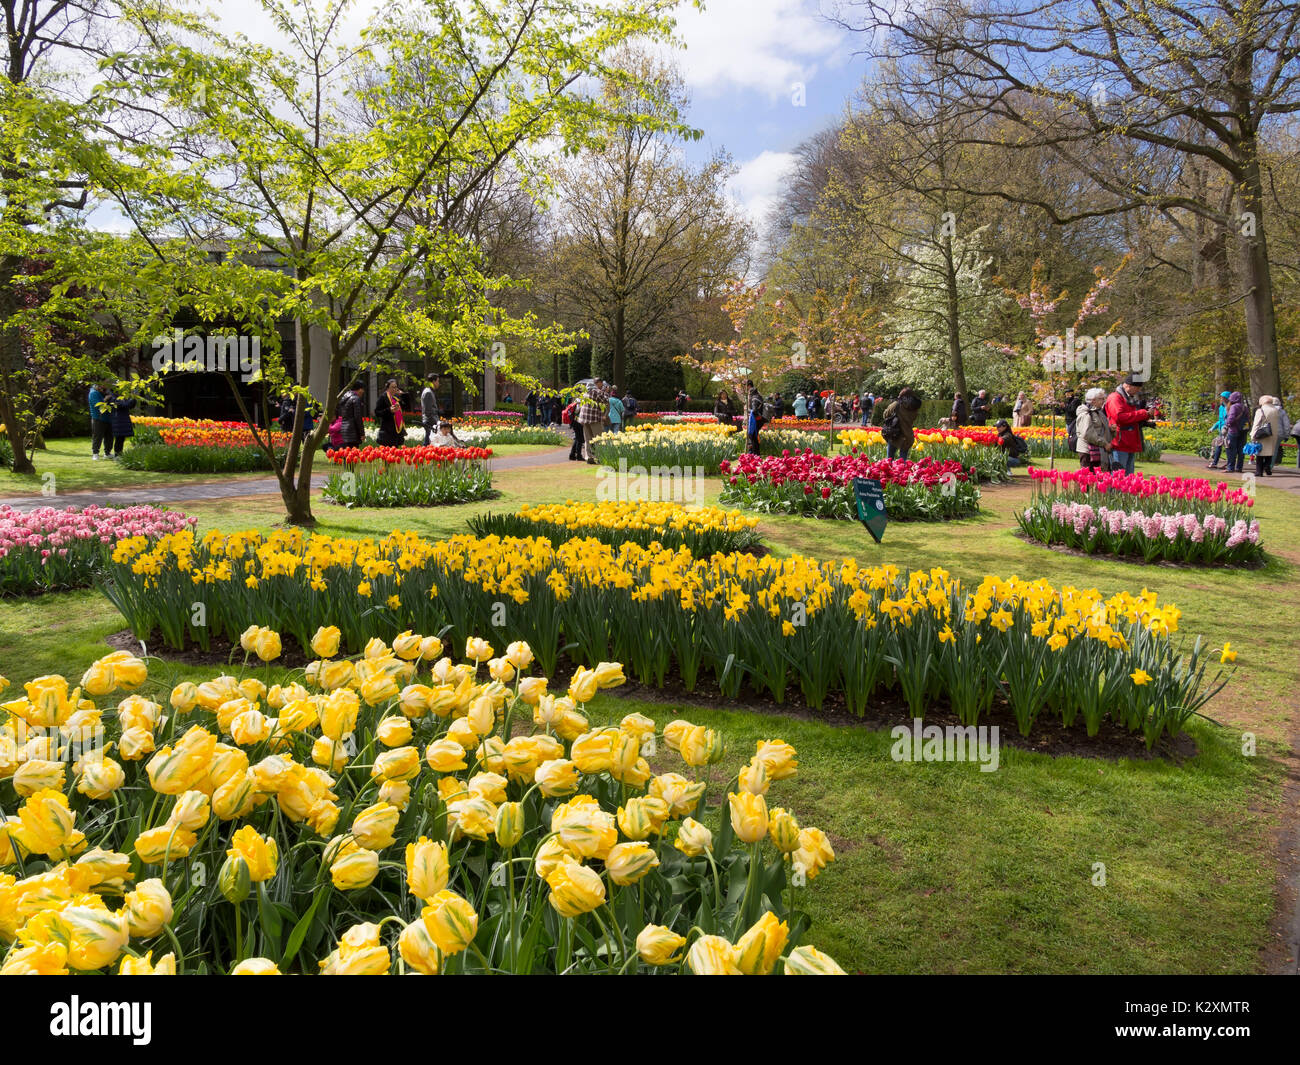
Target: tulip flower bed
48	549
181	445
765	624
522	434
975	450
384	816
703	424
703	531
407	476
1178	519
489	429
779	441
806	425
680	446
818	486
1139	491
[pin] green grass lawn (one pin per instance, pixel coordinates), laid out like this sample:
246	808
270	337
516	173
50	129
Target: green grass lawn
942	868
73	470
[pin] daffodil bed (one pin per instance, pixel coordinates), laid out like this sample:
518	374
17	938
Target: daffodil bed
702	530
765	624
368	822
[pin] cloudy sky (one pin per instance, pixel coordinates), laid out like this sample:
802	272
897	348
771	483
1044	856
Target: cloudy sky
763	75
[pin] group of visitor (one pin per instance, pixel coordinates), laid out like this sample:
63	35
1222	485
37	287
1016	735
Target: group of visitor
546	408
598	408
1240	432
110	419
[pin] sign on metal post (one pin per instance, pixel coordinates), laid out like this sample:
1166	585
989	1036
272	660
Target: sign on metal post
870	497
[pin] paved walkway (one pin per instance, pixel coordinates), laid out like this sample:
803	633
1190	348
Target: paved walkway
180	492
1285	477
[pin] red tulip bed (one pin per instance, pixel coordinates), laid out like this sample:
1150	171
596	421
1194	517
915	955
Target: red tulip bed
407	476
821	486
1177	519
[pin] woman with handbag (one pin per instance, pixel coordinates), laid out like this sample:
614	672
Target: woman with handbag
1266	431
388	416
1093	432
1023	411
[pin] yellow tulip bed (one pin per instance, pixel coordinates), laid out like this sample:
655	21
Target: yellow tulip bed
382	816
761	624
682	446
702	530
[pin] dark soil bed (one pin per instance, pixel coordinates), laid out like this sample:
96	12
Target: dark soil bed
1048	736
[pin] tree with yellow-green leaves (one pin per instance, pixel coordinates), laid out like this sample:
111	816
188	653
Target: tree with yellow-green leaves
315	183
62	320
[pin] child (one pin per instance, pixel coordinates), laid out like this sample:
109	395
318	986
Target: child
753	424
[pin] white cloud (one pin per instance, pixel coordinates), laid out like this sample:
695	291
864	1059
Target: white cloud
759	182
762	45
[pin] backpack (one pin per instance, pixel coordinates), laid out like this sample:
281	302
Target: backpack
892	427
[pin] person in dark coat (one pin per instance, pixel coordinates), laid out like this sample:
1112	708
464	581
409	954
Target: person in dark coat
101	422
388	416
958	414
122	427
288	407
1072	405
1235	424
1016	450
352	411
980	407
906	409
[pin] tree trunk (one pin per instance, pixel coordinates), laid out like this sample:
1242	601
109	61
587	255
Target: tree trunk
1261	320
620	333
951	313
14	429
11	367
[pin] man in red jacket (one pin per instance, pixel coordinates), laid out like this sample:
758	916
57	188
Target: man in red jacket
1127	415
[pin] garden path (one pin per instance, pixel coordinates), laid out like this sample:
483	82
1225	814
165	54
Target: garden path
176	491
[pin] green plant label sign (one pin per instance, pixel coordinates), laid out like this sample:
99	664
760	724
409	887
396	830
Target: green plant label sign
870	496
